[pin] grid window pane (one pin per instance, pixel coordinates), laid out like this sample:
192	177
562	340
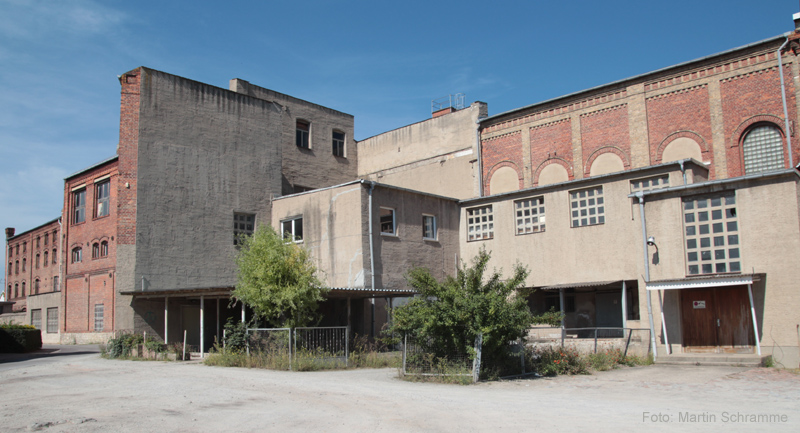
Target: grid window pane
429	227
102	195
98	318
52	320
292	229
244	224
36	319
79	206
763	150
529	215
480	223
338	143
587	211
714	256
650	183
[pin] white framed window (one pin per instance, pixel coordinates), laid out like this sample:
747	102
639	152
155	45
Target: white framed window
529	215
292	229
429	229
480	223
104	249
302	134
338	143
587	207
102	194
98	318
762	149
95	250
650	183
36	318
244	224
52	320
388	221
711	235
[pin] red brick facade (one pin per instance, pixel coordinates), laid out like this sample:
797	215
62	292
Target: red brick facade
551	143
502	151
32	264
605	131
128	153
89	255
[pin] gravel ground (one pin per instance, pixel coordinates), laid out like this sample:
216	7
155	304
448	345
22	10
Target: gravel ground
73	390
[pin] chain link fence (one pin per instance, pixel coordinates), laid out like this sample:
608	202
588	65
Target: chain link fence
426	357
299	348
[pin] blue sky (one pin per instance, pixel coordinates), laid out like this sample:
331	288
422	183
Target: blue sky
379	61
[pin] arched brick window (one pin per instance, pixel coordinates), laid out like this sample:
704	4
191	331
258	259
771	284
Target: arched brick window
762	149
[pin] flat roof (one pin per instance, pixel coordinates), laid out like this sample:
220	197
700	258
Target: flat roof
33	229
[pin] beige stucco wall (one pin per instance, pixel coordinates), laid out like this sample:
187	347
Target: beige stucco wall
437	155
332	231
43	302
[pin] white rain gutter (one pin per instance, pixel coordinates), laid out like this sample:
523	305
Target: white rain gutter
640	196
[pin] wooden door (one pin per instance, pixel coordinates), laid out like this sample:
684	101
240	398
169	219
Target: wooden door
735	320
698	320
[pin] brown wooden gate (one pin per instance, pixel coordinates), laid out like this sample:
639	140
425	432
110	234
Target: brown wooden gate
717	320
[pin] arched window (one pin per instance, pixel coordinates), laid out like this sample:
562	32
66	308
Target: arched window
23	289
762	148
104	249
77	255
16	290
24	262
36	287
16	268
45	261
37	261
95	250
54	256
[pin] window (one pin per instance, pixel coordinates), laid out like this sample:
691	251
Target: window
587	207
338	143
650	183
45	261
38	239
301	136
16	267
77	255
23	289
46	237
429	227
763	149
35	287
104	249
36	318
24	247
102	193
292	229
9	293
52	320
10	251
243	225
54	256
95	250
78	206
17	249
37	261
529	215
55	283
98	318
711	233
387	221
16	290
480	223
24	262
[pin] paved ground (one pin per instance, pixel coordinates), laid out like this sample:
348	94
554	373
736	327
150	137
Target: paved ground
73	390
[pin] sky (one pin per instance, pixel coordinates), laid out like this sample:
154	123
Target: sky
382	62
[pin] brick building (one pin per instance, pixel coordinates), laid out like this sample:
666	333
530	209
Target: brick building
696	155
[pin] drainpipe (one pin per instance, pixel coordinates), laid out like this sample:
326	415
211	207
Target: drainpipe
683	171
60	252
785	111
480	156
371	260
640	196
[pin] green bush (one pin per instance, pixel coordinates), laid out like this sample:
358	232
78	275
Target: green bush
553	361
120	347
19	338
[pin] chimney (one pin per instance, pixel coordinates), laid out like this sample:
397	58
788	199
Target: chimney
796	18
10	232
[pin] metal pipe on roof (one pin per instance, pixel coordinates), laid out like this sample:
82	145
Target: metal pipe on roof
785	110
647	276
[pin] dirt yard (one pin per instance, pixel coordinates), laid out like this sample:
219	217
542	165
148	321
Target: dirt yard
80	392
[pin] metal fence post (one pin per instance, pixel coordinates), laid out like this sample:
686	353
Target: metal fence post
347	346
628	343
405	350
522	354
595	340
291	331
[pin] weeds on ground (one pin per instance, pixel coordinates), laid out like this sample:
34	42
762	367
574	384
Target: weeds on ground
553	361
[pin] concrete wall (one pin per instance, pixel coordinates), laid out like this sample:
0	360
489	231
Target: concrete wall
437	156
315	167
43	302
203	153
333	232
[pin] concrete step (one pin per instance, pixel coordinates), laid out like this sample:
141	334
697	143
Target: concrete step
709	359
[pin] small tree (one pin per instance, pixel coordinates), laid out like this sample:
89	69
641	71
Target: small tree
277	279
452	313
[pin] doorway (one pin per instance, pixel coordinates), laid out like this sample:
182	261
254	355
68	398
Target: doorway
717	320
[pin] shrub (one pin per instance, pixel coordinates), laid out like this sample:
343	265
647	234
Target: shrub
19	338
552	361
120	347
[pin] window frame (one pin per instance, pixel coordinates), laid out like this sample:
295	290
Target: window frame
756	156
339	148
104	249
243	218
99	317
36	318
433	225
96	250
537	212
653	183
393	215
52	320
77	255
302	137
702	246
483	228
293	223
79	206
595	210
102	202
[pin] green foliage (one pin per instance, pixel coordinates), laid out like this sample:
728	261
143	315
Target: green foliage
235	336
449	315
278	280
614	358
120	347
550	318
19	338
553	361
